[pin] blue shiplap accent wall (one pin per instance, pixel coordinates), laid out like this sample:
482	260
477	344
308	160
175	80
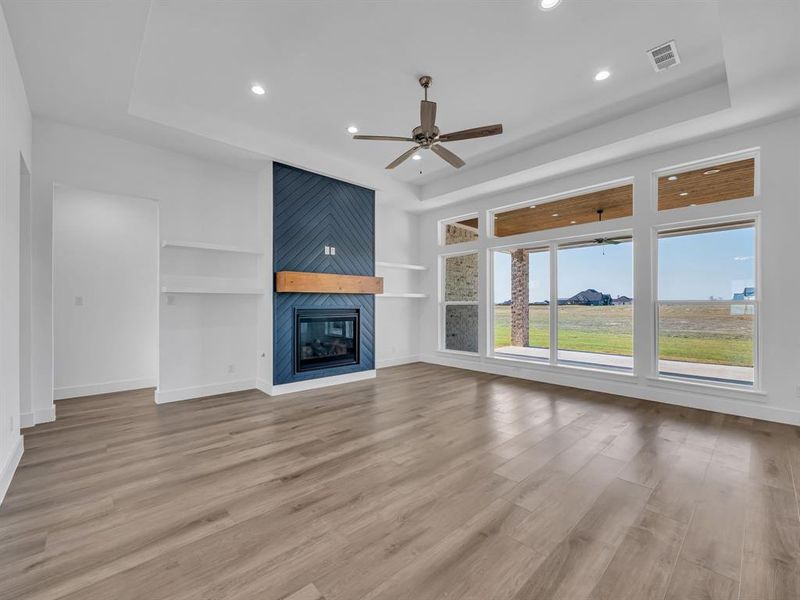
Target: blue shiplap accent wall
312	211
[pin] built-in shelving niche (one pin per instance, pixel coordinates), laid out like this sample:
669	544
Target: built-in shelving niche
400	279
191	267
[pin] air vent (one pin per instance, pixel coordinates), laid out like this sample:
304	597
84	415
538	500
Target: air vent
664	56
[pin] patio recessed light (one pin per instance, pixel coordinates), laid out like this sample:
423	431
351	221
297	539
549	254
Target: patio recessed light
572	222
673	178
532	206
684	193
548	4
258	89
352	129
417	157
711	172
555	214
693	205
602	75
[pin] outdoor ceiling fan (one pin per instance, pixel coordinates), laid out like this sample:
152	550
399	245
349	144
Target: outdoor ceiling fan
427	135
603	240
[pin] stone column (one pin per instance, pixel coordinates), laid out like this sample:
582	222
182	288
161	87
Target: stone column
520	298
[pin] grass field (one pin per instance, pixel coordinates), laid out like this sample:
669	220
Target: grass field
703	333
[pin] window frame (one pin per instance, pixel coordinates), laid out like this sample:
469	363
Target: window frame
710	223
442	229
552	246
443	303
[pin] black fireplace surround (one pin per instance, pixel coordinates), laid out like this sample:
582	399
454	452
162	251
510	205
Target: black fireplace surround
325	337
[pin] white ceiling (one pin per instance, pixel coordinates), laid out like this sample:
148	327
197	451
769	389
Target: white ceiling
178	73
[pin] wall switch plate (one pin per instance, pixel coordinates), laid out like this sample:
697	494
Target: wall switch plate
170	299
333	250
327	249
78	300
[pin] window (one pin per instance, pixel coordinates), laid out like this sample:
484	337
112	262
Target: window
708	303
460	230
615	203
460	302
521	310
595	303
707	184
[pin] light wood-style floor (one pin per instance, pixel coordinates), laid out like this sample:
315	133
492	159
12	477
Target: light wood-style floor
426	483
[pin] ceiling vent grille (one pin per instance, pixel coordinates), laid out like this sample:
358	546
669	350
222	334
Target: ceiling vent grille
664	56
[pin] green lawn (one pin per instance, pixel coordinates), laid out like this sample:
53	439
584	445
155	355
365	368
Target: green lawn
691	333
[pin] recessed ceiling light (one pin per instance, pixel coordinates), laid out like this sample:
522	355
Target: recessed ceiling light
555	214
548	4
711	172
572	222
693	205
684	193
352	129
258	89
602	75
673	178
532	206
417	157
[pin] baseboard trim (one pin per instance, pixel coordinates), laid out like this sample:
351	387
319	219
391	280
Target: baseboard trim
106	387
396	362
755	408
201	391
43	415
10	466
313	384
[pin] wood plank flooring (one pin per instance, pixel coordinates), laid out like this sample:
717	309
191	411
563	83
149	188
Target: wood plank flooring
426	483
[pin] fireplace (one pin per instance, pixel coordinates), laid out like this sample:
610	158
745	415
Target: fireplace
325	338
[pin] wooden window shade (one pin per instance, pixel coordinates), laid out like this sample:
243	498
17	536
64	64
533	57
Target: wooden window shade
715	183
616	203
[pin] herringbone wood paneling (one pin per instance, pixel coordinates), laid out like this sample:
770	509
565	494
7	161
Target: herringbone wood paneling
310	212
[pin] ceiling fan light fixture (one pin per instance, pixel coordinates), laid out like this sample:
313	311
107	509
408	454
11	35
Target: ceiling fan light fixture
548	4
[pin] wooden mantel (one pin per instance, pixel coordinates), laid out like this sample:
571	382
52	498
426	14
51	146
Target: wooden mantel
326	283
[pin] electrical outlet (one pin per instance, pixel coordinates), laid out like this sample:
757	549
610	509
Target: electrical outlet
170	299
78	300
231	368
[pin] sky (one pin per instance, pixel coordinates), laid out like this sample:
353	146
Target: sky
691	267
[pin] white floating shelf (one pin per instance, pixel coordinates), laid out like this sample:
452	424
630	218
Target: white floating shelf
207	246
401	295
177	289
389	265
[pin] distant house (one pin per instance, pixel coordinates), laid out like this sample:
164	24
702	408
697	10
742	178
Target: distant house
749	293
622	301
541	303
590	297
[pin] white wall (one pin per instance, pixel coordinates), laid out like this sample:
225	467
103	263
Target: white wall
200	336
15	144
105	292
207	343
779	208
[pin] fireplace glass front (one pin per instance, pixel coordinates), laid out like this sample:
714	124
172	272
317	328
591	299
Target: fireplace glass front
325	338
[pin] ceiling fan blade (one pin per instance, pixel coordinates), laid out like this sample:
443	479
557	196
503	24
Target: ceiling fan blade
475	132
448	156
402	158
427	115
384	138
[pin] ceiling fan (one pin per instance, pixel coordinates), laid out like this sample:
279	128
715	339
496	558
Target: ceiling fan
427	135
603	240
